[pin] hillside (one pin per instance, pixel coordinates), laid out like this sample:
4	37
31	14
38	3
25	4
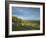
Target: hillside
34	24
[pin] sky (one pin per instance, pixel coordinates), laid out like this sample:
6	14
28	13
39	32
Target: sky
26	13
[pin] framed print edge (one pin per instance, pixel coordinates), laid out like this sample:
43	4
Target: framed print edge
7	19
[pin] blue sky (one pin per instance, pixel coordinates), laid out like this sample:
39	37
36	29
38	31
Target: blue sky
26	13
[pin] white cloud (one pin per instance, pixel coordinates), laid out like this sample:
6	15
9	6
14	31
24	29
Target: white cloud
20	17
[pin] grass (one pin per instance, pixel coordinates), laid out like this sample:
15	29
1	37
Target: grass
25	24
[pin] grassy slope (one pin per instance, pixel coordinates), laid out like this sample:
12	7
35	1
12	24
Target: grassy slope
25	23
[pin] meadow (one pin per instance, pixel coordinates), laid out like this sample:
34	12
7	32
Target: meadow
22	25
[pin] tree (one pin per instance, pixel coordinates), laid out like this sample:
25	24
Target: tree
15	19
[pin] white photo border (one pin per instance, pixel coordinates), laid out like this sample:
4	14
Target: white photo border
25	32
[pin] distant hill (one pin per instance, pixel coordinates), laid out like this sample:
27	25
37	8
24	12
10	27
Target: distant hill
26	22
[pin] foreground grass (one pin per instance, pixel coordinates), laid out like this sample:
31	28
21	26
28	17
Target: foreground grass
26	26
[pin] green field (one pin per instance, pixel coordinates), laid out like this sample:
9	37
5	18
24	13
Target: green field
20	24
